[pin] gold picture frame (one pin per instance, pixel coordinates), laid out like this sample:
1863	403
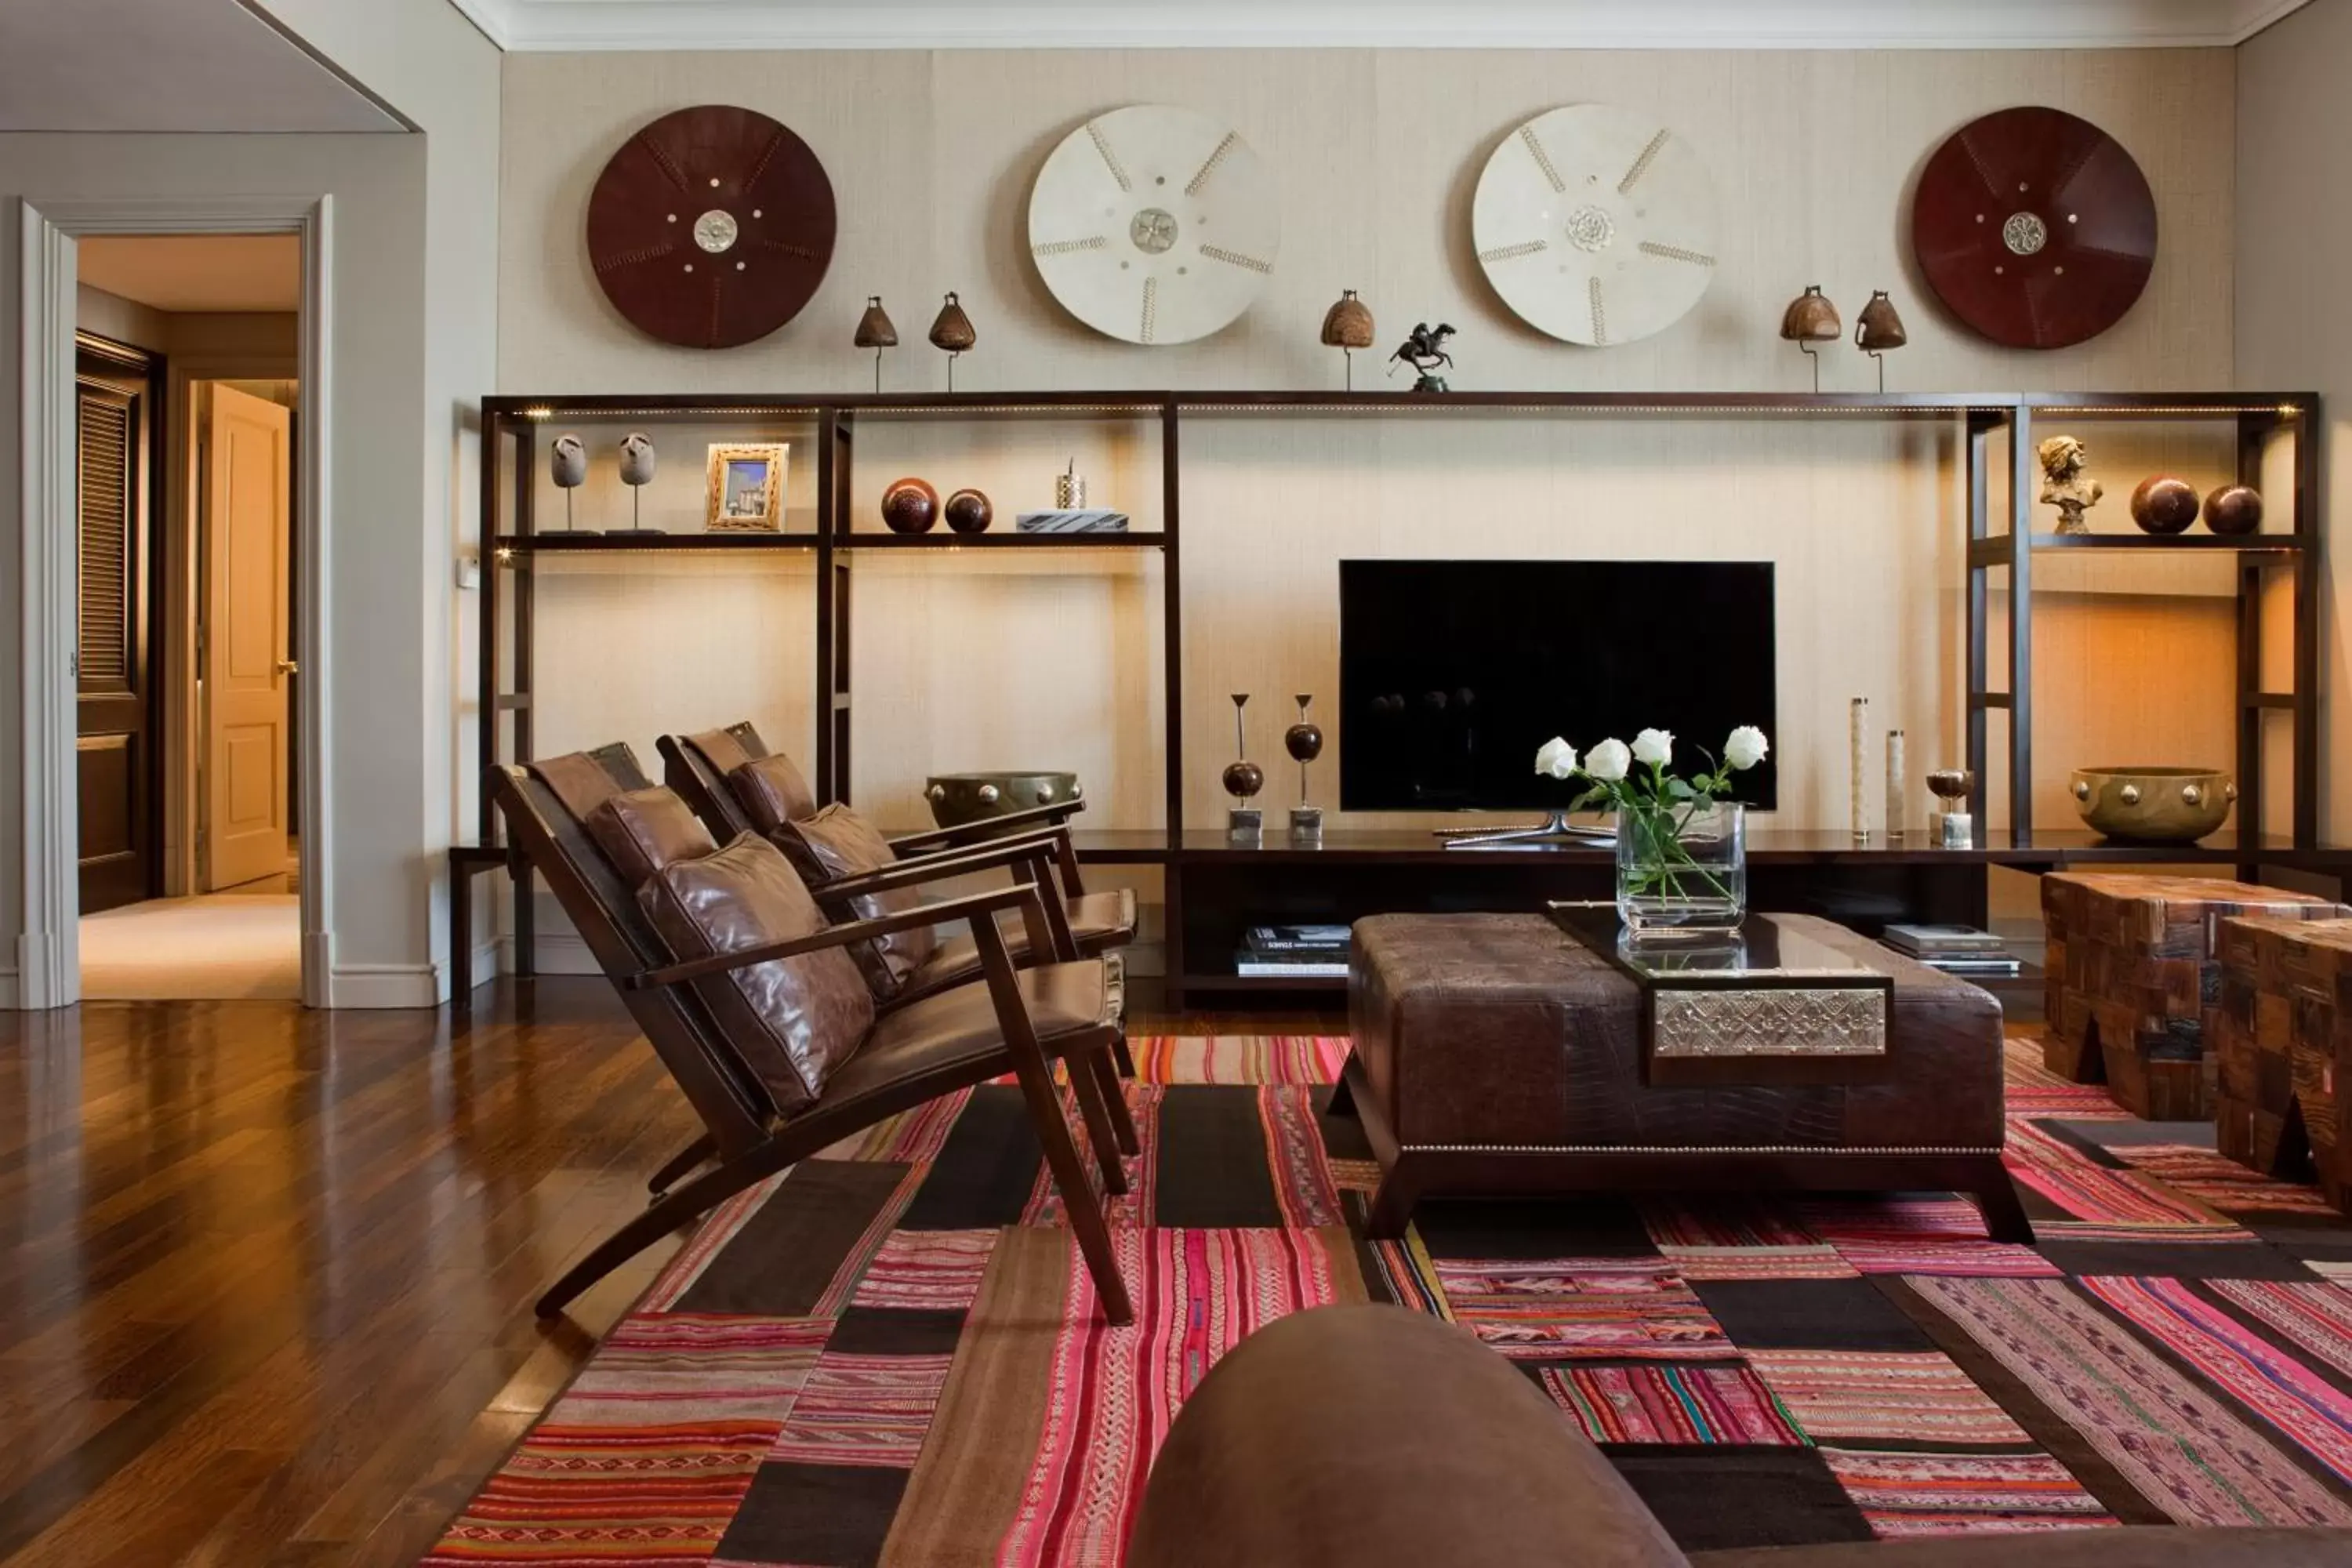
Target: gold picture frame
746	487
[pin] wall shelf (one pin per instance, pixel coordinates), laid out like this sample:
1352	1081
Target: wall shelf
1203	874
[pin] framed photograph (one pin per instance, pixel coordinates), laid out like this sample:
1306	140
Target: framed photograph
747	486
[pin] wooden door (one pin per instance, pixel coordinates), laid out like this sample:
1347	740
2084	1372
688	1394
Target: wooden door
243	645
115	727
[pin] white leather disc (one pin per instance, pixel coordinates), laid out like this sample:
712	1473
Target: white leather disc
1596	224
1154	225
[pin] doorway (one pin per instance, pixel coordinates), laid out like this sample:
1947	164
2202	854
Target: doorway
205	902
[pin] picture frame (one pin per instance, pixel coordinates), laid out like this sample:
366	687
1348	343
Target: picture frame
746	487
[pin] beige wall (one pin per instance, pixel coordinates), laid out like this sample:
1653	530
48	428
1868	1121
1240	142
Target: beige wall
2294	318
970	662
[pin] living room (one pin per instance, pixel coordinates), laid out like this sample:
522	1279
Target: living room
1742	816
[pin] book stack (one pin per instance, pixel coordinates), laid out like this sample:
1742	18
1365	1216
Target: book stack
1955	950
1310	952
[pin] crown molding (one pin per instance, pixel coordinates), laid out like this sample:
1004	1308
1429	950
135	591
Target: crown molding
669	24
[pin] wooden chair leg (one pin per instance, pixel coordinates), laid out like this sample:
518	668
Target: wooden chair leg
1122	1120
666	1215
1079	1200
1087	1089
1121	1055
681	1164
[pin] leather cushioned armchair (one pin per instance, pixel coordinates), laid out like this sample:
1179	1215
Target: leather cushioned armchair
735	782
694	955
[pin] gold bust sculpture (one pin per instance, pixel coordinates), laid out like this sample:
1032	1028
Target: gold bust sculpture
2064	485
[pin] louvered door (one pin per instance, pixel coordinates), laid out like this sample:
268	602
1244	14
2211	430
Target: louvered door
116	731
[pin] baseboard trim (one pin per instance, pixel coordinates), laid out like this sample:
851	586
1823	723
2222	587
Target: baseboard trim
384	985
555	954
8	1002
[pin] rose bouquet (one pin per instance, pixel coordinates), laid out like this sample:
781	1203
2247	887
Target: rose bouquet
1682	861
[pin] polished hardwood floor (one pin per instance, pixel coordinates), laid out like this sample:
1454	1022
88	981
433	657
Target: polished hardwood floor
268	1297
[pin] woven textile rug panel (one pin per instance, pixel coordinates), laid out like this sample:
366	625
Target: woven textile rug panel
891	1354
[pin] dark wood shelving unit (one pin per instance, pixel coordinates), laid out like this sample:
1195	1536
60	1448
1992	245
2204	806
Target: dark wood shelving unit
1210	881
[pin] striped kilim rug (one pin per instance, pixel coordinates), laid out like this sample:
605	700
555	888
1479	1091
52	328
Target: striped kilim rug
892	1355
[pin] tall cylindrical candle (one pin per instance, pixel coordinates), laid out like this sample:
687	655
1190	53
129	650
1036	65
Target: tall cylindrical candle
1857	726
1895	810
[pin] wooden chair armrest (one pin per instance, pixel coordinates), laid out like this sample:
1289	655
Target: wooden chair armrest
941	867
980	908
987	828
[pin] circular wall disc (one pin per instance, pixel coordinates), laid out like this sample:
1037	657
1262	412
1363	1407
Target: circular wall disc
1596	224
2035	228
1154	225
711	227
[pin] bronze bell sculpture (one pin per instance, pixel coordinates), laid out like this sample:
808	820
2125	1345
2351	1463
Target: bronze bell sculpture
1348	326
1810	319
875	331
1878	330
951	334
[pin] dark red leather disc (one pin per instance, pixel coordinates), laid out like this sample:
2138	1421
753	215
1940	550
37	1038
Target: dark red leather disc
711	227
2035	228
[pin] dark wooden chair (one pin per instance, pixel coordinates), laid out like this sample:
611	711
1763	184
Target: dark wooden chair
736	783
1019	1017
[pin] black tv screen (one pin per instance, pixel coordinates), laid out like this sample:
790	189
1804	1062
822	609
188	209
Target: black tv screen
1452	673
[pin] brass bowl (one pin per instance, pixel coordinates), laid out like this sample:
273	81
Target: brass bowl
2155	806
959	798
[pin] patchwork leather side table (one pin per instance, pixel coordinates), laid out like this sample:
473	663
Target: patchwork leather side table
1500	1054
2133	985
2283	1039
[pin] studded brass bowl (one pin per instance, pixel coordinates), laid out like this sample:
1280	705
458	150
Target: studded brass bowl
2156	806
959	798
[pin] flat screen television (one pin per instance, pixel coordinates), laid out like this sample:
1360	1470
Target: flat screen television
1452	673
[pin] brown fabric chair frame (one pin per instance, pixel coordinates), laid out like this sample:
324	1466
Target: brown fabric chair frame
745	1130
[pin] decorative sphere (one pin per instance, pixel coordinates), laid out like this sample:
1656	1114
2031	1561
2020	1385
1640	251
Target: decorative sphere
969	511
2163	504
910	506
1304	741
1244	779
2233	511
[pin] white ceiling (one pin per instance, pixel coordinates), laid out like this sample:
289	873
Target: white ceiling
1404	23
196	271
167	65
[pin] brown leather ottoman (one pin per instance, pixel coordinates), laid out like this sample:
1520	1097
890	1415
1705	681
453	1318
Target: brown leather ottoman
1496	1054
2134	983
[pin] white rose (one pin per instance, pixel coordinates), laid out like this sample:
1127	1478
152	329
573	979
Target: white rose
1556	759
1655	747
1746	748
1608	762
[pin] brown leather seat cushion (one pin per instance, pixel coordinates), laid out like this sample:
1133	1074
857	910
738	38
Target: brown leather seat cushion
1372	1436
772	792
794	1020
1098	921
1066	1001
643	830
836	843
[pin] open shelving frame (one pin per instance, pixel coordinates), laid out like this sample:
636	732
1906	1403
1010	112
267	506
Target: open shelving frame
504	675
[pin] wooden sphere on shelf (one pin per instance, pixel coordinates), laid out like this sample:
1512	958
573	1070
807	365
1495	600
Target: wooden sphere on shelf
1244	779
970	512
2234	510
910	506
2163	504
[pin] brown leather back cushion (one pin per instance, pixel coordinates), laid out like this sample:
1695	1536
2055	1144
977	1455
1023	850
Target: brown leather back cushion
645	829
836	843
794	1019
773	792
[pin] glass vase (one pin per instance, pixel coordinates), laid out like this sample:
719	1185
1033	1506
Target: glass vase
1683	871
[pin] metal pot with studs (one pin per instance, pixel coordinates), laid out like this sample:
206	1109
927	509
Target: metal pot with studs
2154	806
959	798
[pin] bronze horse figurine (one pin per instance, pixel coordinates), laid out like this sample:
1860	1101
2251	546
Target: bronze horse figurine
1424	350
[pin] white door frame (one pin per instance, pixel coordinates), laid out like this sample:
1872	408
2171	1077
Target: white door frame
49	951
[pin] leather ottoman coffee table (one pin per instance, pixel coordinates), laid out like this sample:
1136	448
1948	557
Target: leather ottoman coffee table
1496	1054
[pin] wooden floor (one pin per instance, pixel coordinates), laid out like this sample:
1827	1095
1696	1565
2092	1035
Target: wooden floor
269	1277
